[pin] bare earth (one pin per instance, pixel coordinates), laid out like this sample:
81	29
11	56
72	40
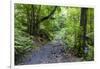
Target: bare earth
52	52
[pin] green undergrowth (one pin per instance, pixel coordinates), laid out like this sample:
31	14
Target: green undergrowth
23	44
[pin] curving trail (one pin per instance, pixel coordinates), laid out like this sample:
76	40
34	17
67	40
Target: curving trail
52	52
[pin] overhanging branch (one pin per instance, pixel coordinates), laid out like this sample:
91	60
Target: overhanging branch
47	17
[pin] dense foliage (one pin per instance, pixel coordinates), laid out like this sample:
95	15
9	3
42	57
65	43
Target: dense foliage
42	23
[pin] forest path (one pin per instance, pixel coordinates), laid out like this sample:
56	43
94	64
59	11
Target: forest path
52	52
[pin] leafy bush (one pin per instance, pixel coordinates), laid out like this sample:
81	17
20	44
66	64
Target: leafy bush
23	45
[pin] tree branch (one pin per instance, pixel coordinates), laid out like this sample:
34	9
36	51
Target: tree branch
47	17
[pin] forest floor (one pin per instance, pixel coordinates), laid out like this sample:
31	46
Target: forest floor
52	52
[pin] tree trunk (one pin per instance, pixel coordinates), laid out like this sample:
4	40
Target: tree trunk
83	49
34	19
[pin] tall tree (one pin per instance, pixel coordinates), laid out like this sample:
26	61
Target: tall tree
34	19
83	26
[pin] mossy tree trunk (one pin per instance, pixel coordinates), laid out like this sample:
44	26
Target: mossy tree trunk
34	19
83	49
80	45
